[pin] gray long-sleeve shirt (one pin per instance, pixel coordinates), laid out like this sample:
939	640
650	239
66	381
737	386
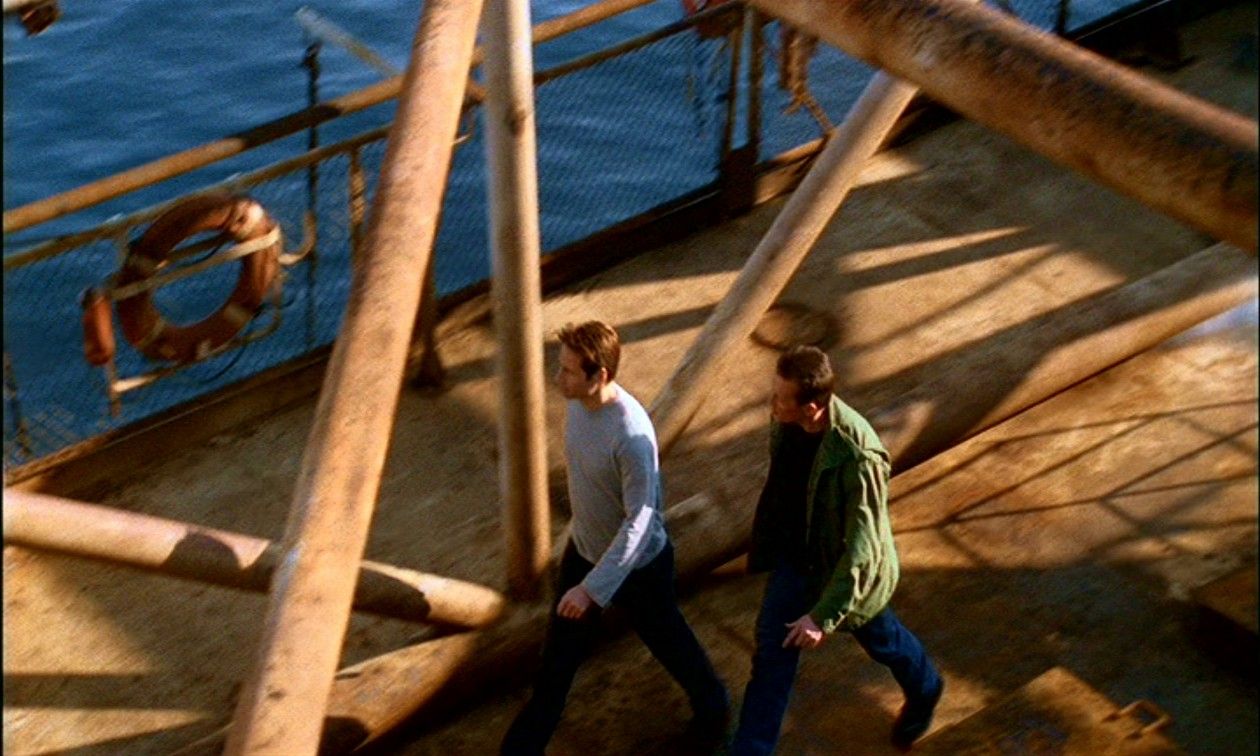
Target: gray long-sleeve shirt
615	491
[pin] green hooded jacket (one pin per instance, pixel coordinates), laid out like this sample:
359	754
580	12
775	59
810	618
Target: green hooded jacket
852	561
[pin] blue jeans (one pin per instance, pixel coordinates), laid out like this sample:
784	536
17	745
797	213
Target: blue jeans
651	605
883	638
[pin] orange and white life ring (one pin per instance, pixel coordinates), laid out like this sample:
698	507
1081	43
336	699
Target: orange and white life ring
240	218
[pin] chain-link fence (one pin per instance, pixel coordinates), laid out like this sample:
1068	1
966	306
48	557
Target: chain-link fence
620	132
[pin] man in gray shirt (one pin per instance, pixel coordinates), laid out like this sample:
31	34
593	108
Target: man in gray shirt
619	552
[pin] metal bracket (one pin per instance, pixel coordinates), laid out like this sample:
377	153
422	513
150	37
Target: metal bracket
1160	719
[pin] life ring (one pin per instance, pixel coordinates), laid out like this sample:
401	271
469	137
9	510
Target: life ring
240	218
709	28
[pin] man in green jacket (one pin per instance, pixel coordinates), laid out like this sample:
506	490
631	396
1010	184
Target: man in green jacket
822	531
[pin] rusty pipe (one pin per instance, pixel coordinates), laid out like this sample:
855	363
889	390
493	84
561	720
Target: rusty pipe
516	292
781	251
1180	155
281	709
234	560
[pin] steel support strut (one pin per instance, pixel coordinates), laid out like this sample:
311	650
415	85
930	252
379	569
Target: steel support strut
281	709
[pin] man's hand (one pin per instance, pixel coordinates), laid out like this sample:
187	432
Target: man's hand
804	633
574	603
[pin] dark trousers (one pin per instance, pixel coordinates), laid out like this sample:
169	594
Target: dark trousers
650	603
883	638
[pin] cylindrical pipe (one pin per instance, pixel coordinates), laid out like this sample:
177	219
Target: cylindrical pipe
1180	155
781	251
516	291
202	155
221	557
282	705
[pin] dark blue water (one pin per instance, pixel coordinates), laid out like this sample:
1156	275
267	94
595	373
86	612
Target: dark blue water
108	88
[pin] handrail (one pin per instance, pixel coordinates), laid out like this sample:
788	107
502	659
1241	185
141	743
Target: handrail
635	43
112	228
110	187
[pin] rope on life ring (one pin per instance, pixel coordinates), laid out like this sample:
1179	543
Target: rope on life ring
239	218
796	49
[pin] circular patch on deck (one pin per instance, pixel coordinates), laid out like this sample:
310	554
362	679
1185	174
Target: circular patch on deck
789	324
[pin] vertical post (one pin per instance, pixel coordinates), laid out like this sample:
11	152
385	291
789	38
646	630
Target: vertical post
310	61
122	246
14	407
358	204
516	291
781	251
754	20
738	165
282	704
1061	17
735	41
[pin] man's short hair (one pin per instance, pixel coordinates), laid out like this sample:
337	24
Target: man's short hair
596	343
809	368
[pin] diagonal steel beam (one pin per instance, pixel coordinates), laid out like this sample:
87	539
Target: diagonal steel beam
281	709
781	251
235	560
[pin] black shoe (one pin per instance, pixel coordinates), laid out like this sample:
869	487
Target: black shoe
915	719
707	732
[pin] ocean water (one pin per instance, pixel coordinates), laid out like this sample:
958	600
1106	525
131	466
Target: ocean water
114	85
100	91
